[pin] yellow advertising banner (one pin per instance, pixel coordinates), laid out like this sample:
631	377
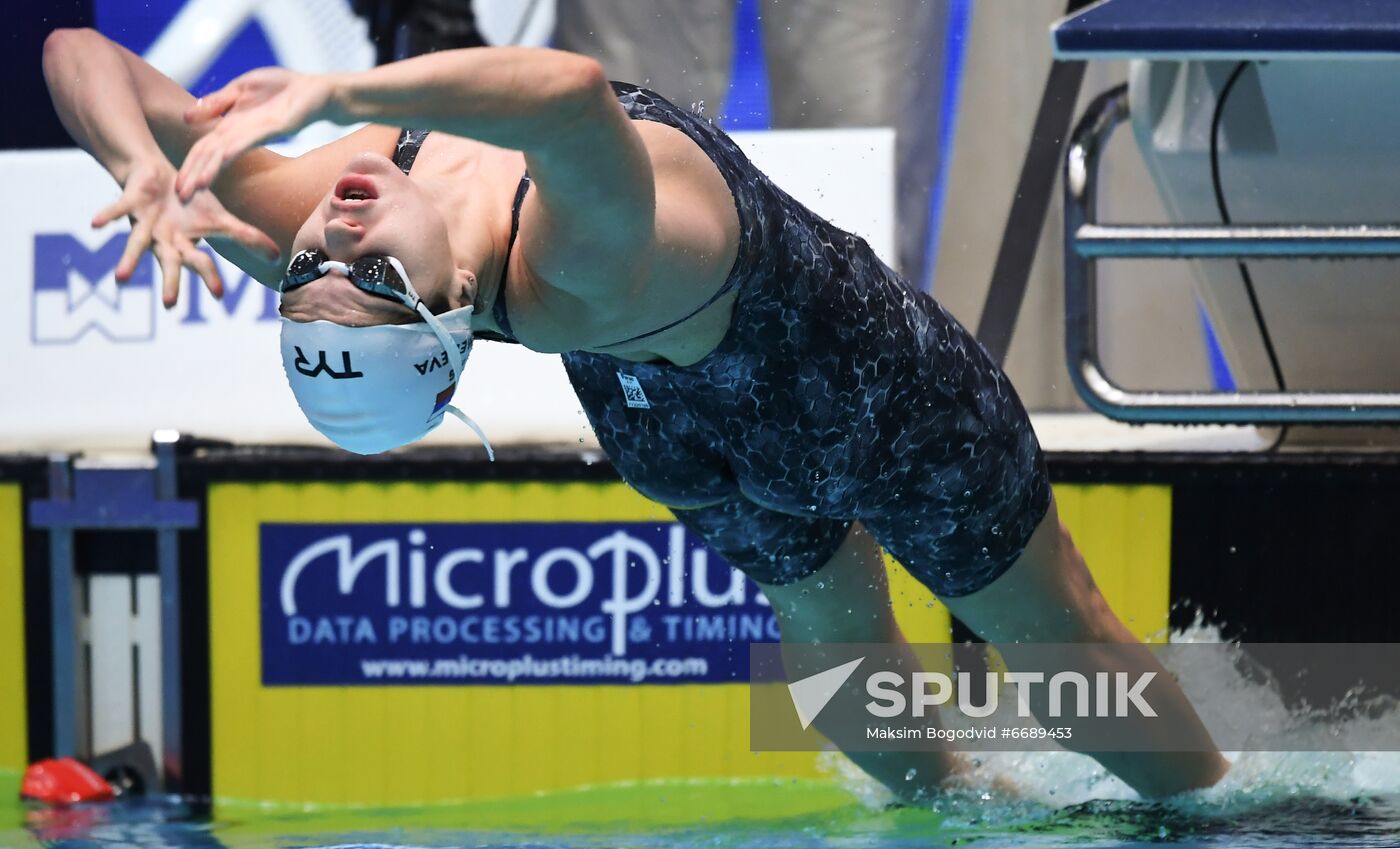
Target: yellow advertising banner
14	746
339	677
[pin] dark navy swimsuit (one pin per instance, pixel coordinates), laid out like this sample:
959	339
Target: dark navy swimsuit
839	393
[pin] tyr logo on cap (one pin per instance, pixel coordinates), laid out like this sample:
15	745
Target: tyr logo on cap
346	372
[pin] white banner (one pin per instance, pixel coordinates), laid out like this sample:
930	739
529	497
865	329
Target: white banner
96	366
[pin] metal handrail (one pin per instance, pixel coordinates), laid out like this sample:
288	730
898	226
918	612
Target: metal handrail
1086	241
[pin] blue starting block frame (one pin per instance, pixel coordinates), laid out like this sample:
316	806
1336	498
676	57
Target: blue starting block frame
1231	30
115	499
1223	30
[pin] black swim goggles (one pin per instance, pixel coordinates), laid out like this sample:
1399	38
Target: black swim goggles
382	276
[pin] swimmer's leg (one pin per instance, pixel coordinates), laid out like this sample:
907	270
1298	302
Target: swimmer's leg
825	579
1048	596
848	601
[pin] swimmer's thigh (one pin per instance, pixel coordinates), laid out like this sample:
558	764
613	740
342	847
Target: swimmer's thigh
825	578
845	601
957	528
772	548
1045	595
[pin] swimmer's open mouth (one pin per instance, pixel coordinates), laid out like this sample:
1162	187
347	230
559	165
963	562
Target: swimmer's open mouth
355	189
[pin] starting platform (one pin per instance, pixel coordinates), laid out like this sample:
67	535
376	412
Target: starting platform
1264	147
1253	30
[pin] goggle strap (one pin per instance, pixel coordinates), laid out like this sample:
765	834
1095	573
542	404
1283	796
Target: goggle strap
476	428
454	356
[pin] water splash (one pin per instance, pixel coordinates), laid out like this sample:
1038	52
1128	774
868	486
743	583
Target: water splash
1328	794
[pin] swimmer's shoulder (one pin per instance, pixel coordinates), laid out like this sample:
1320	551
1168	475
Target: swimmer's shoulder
697	234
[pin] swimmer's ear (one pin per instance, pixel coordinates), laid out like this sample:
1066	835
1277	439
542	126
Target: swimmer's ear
463	289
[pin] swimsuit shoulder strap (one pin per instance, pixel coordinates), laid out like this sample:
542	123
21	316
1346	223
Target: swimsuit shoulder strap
728	286
742	178
406	151
499	312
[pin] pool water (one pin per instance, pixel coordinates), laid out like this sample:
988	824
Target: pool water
1268	799
1277	800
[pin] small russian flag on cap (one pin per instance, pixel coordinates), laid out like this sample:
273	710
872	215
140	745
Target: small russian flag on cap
443	398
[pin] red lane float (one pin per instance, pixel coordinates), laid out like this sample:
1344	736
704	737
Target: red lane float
63	781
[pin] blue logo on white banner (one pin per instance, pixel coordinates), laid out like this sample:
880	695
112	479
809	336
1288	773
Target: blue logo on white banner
498	603
76	290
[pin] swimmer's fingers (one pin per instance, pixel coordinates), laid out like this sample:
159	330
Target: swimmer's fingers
136	245
241	92
211	153
234	135
195	172
257	107
202	264
169	258
213	105
136	241
119	207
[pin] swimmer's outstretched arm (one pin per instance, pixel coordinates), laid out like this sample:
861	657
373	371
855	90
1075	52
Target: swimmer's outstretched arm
129	117
595	193
99	101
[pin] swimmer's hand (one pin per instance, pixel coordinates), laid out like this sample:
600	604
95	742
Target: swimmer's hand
254	108
169	228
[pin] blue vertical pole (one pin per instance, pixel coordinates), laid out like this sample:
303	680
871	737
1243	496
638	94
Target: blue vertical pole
954	50
63	625
168	566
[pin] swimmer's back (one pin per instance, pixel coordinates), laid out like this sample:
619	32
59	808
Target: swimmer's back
839	392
